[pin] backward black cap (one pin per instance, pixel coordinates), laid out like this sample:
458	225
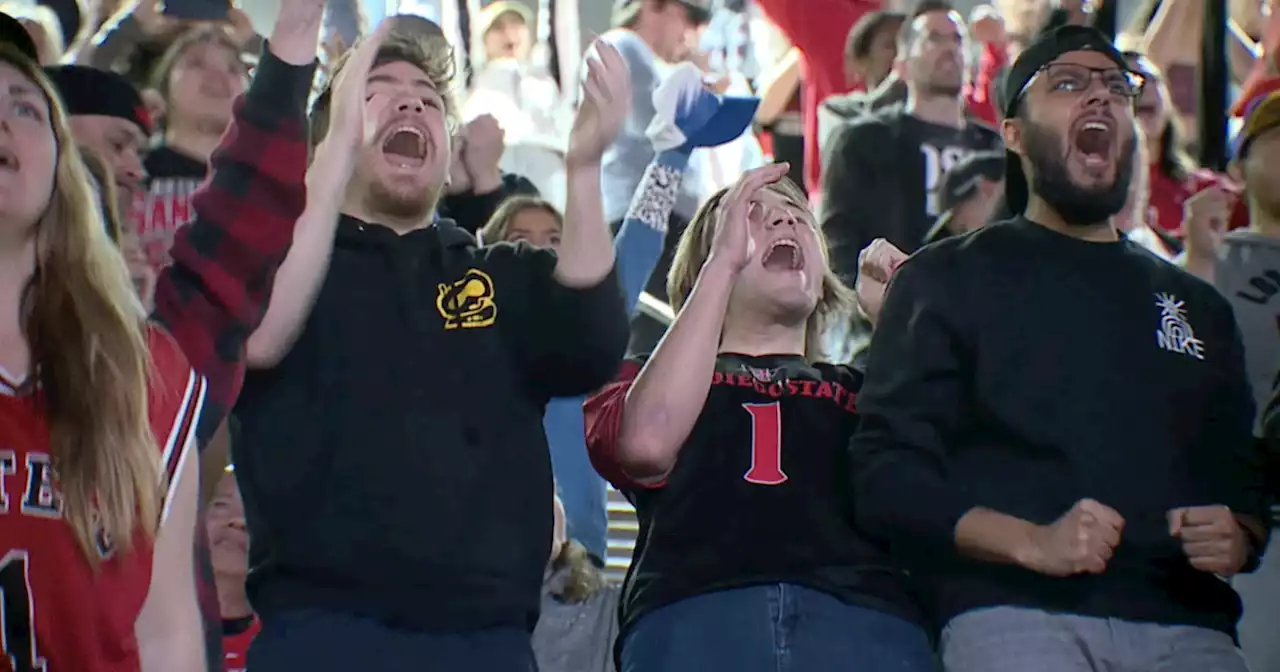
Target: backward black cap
1047	47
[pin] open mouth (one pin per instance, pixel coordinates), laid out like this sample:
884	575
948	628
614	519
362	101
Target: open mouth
7	160
1093	141
783	255
406	147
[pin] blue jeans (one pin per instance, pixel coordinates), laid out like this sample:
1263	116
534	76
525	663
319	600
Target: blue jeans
774	628
326	641
584	494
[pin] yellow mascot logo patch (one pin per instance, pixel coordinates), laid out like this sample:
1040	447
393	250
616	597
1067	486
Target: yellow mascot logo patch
467	303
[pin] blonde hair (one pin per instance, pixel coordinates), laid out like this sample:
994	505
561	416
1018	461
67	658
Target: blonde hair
89	357
834	304
495	231
584	579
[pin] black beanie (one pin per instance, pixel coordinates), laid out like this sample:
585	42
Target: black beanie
86	90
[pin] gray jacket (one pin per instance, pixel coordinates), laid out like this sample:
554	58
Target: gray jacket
575	637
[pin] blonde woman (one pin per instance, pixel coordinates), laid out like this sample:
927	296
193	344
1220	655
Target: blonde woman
730	439
96	562
98	572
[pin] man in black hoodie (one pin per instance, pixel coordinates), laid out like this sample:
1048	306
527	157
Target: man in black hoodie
1055	423
883	171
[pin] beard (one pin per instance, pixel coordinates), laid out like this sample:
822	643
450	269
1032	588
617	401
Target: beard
401	205
1077	205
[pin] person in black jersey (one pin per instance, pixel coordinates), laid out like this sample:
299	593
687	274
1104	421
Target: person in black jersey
729	440
1056	424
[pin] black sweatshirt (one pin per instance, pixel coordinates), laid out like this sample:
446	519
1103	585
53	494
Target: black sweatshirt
1021	370
394	464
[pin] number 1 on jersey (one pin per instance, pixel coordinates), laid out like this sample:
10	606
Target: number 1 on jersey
19	635
766	445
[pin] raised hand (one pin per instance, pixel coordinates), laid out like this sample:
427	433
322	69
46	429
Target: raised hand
1205	216
605	102
150	20
241	28
482	152
354	117
732	243
1080	542
295	36
1211	538
876	264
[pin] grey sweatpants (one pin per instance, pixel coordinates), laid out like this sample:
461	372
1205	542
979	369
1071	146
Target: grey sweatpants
1009	639
1260	627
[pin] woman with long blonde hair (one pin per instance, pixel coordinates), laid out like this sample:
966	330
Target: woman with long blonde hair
96	416
730	440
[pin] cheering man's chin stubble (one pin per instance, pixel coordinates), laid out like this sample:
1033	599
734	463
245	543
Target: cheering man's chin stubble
1077	205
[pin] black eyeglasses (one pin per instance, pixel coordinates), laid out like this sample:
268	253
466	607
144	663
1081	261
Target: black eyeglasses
1070	78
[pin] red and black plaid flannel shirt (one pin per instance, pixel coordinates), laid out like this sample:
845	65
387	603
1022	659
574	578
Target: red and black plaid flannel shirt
216	291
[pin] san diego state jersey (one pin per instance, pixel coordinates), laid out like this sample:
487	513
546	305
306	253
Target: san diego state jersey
759	492
58	613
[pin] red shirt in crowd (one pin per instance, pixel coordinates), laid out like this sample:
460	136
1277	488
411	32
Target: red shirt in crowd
235	646
59	611
1168	195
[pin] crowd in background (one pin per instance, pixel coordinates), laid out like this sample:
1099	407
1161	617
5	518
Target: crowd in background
887	113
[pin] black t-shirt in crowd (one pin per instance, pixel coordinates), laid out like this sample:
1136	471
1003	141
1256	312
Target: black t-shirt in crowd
883	178
1020	369
759	493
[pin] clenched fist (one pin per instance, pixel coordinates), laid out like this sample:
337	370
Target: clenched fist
1080	542
876	264
1211	538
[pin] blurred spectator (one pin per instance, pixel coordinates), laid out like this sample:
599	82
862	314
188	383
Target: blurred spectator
647	33
870	55
579	619
1171	39
1133	220
896	158
1174	175
969	194
199	77
229	544
522	97
779	115
526	218
43	27
1245	267
872	48
107	115
819	29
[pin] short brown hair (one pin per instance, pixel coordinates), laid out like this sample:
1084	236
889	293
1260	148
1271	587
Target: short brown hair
693	250
496	230
430	54
198	35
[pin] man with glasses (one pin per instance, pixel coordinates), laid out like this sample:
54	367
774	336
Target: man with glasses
1055	424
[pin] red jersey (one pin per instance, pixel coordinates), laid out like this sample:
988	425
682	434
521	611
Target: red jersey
235	646
59	613
1166	196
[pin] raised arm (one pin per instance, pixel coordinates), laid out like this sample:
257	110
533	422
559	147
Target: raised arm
656	412
214	294
302	273
687	116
